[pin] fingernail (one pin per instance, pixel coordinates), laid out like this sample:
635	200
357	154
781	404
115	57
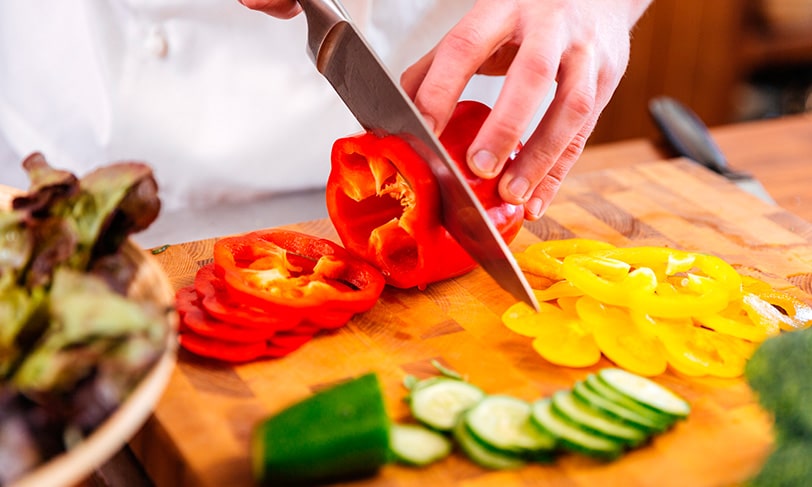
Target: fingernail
518	187
534	207
485	161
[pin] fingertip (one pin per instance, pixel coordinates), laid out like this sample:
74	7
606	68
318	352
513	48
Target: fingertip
516	190
281	10
533	208
484	163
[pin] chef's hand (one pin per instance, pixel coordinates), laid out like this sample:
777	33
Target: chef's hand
583	45
283	9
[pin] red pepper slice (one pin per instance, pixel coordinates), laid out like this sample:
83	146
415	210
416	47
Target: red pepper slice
219	303
232	351
384	203
290	273
195	319
205	335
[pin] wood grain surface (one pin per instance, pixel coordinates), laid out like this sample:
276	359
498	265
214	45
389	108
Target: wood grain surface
200	430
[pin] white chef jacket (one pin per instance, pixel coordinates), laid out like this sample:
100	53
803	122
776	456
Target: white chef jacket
223	102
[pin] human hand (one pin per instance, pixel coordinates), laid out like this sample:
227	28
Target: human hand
583	46
282	9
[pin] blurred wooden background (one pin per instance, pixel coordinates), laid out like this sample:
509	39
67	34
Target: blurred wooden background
705	53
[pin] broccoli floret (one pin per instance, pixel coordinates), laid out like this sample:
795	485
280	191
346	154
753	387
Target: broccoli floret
778	373
789	465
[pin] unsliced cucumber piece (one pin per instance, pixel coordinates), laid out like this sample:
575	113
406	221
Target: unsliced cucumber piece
646	392
661	421
618	411
439	402
338	433
594	420
503	423
572	436
482	455
417	445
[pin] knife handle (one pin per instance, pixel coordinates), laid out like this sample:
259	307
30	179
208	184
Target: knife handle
322	16
689	136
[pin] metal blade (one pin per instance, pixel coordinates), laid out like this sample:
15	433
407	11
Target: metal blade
379	103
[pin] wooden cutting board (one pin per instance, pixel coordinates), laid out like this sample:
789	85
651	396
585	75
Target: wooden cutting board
200	430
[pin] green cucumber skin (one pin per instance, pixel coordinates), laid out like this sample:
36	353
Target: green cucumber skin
592	399
657	420
480	454
603	448
566	406
605	378
338	433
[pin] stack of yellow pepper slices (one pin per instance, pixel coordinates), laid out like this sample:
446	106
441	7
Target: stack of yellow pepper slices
647	308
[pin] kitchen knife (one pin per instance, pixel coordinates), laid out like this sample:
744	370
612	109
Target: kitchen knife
690	137
379	103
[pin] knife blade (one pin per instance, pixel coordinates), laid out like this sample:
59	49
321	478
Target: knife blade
689	136
343	56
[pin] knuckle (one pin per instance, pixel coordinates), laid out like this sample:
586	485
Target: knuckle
465	40
581	104
542	66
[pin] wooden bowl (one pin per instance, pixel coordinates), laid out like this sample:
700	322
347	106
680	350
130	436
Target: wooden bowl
78	463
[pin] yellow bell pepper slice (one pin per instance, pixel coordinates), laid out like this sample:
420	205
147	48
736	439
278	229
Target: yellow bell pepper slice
545	258
607	280
567	344
742	327
620	340
524	320
567	303
695	351
559	337
560	289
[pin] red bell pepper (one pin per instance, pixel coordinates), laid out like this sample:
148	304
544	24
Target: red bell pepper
384	203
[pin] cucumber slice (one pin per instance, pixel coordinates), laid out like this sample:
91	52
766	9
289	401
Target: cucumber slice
618	411
503	423
594	420
571	436
646	392
417	445
482	455
662	421
438	402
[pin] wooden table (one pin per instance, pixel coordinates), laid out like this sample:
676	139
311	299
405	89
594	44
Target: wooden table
778	152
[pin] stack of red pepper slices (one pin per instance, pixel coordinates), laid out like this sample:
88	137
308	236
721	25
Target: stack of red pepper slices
385	203
269	292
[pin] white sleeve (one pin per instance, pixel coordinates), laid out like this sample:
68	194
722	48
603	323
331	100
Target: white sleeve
222	101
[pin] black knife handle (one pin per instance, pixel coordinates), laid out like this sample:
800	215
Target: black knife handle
689	135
